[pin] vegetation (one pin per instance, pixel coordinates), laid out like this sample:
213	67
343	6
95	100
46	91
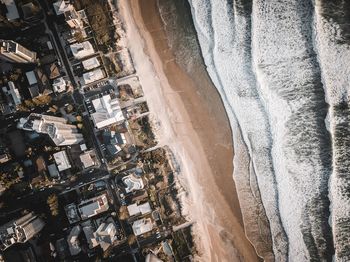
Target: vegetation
52	202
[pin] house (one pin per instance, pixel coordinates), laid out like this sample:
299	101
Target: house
91	63
135	209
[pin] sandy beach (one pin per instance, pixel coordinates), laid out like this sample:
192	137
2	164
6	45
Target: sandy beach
192	122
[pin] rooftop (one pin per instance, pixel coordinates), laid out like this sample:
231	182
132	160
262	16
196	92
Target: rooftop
142	209
81	50
61	6
91	63
93	206
87	160
132	183
31	78
107	111
12	12
142	226
93	76
62	161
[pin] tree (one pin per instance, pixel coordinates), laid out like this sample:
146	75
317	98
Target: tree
52	202
79	36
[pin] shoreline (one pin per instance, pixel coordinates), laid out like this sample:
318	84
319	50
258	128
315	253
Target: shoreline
219	233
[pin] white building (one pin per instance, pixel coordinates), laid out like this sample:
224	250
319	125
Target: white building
107	112
81	50
20	230
59	85
87	160
132	183
142	226
94	206
15	53
135	209
93	76
60	132
62	161
91	63
61	6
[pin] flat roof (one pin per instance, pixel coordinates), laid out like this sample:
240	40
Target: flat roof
31	78
81	50
107	111
87	160
142	209
12	12
62	161
91	63
142	226
53	171
93	76
93	206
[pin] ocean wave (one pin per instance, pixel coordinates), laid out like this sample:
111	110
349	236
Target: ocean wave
275	64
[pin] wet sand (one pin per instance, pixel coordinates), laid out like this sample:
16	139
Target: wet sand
194	124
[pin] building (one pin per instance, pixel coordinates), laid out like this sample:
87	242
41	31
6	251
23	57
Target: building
13	96
91	63
106	235
61	6
73	240
56	128
135	209
59	85
20	230
94	206
93	76
15	53
4	157
62	161
142	226
81	50
72	213
73	18
16	97
88	159
132	183
12	12
53	171
107	112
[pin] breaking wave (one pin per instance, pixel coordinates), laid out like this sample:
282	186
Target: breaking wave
282	68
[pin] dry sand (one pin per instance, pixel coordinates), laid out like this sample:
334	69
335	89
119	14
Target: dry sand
197	132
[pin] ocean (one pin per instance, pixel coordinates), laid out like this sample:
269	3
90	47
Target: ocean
282	70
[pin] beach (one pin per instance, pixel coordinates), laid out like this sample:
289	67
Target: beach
191	120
